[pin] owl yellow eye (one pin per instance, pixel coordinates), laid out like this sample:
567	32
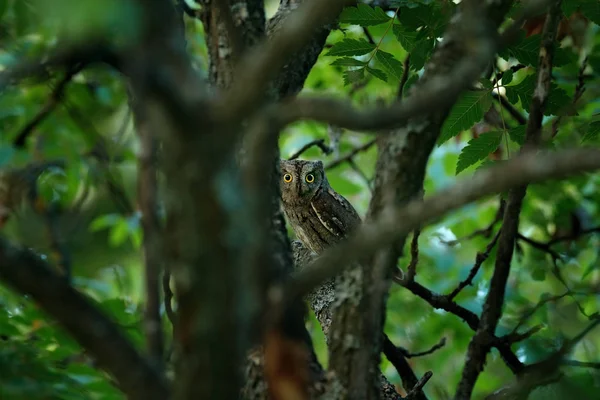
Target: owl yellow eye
287	178
310	178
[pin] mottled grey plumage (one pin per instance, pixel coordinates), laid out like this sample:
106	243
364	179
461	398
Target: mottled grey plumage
318	214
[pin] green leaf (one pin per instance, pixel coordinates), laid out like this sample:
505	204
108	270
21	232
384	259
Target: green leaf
377	73
363	15
104	221
517	134
469	110
428	17
557	99
391	65
351	47
477	149
591	9
354	75
507	77
538	274
407	38
348	62
592	131
527	51
420	54
569	6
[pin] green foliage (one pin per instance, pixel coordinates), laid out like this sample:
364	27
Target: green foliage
38	360
467	111
477	149
363	15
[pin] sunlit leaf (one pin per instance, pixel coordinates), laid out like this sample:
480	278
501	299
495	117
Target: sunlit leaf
391	64
351	47
469	110
363	15
477	149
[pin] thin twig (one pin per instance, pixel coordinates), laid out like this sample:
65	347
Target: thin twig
535	308
320	143
514	337
350	155
480	345
46	110
579	90
419	386
433	349
485	232
404	78
479	260
397	359
414	256
584	364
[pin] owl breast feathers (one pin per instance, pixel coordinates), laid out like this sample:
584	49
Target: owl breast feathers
318	214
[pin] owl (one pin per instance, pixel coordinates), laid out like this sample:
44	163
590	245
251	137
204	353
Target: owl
319	215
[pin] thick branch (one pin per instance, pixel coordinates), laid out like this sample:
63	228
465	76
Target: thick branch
492	308
28	274
523	169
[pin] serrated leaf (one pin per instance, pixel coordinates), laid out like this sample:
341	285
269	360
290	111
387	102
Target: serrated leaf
406	37
352	76
517	134
592	132
486	83
469	110
507	77
377	73
477	149
420	53
428	17
527	51
557	99
348	62
363	15
391	65
351	47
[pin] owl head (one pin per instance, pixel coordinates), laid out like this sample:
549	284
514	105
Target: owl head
300	180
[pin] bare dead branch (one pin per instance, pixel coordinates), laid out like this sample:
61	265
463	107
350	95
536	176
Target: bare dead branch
396	357
29	274
413	394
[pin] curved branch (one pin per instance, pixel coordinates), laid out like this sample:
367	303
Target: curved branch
29	274
523	169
